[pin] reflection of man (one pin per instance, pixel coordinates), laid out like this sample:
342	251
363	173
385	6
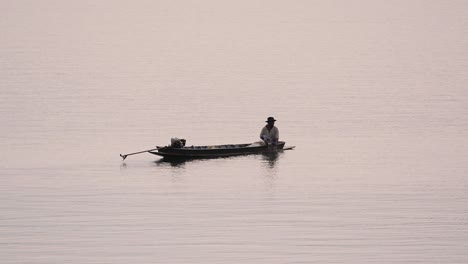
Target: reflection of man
270	133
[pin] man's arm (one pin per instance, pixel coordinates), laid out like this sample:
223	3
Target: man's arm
262	133
276	134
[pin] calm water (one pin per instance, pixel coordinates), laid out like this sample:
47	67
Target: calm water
373	94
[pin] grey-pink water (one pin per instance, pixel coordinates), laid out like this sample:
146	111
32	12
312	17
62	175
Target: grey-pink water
373	94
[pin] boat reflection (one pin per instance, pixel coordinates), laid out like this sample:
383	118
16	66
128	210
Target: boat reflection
177	163
270	158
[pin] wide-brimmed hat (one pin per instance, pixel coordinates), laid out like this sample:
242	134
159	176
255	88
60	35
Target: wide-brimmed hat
270	119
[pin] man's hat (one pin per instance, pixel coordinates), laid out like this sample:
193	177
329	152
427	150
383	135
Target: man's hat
270	119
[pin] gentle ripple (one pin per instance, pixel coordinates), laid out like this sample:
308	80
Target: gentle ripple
372	93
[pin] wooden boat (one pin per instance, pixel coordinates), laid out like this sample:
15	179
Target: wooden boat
193	152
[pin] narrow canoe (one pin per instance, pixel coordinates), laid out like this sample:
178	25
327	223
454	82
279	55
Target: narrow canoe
193	152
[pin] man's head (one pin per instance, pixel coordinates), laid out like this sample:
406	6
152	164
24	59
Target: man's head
271	120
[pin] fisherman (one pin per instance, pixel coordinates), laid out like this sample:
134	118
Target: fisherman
270	133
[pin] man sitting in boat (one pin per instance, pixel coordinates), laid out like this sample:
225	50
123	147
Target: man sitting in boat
270	133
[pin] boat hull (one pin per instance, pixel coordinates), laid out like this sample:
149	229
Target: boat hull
198	152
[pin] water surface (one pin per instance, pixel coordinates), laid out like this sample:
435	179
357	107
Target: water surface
372	94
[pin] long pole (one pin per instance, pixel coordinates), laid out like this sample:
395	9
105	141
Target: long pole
129	154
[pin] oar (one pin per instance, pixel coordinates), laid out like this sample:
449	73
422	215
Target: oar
289	147
129	154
